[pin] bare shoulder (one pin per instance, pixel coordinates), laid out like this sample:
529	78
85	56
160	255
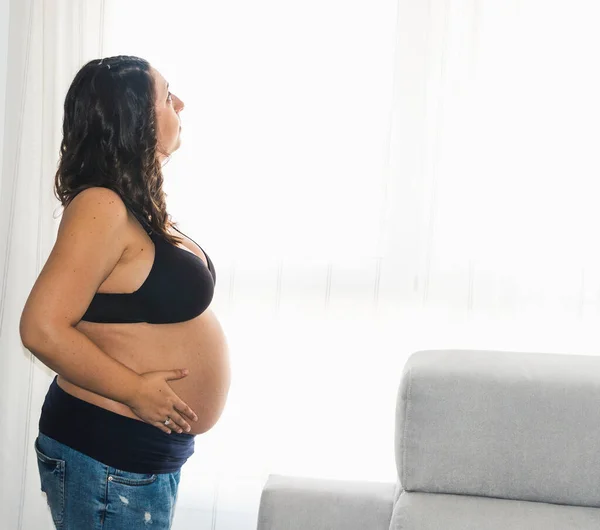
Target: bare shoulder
100	205
97	200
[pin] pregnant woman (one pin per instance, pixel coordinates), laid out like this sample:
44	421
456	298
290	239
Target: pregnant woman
120	311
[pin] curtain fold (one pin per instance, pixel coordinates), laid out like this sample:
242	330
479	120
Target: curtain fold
47	43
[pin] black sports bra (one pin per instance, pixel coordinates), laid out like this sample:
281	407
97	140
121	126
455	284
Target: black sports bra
179	287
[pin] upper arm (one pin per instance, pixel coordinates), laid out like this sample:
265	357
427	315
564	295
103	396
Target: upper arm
91	239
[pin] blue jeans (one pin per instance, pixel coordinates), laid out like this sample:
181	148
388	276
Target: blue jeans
84	494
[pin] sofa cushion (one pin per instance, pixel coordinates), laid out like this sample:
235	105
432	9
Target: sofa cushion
500	424
299	503
436	511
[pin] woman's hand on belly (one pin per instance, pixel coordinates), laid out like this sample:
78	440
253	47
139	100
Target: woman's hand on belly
199	345
154	401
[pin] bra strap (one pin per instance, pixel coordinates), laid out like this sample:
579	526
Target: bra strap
142	221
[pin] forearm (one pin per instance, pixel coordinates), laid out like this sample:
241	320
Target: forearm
75	357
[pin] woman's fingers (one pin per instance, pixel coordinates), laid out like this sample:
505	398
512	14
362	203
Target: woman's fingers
184	409
162	426
178	423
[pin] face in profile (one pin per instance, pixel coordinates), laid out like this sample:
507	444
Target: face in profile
167	107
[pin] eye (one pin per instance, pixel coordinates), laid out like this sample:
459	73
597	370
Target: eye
169	97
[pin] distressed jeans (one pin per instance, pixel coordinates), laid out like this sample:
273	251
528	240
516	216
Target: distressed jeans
84	494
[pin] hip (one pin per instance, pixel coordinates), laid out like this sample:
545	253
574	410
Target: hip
82	492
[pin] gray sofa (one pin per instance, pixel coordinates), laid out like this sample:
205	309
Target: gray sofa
484	440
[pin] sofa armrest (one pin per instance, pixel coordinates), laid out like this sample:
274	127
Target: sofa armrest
298	503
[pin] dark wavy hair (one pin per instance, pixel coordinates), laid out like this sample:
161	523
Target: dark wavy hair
109	138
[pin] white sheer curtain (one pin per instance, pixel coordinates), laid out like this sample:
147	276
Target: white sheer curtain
47	43
497	127
369	179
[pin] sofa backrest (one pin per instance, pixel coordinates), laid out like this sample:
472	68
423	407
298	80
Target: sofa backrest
500	424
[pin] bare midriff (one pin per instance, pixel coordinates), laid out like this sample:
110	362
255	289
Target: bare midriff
198	344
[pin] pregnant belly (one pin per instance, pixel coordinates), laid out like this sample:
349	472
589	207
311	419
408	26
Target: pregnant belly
198	345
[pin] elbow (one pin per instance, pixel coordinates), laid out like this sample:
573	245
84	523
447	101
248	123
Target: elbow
40	342
25	332
32	333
